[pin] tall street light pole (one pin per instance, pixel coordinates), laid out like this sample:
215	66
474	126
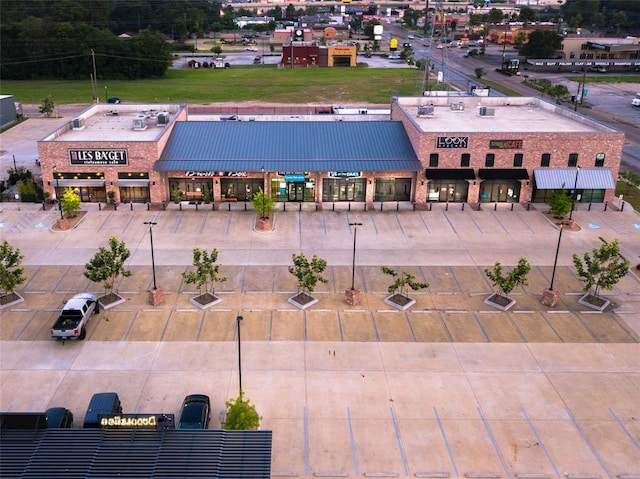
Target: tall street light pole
238	320
575	193
155	295
353	264
549	296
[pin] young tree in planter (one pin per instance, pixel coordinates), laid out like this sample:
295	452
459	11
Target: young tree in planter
241	415
70	203
206	274
107	266
560	203
400	287
506	283
603	268
308	273
263	203
10	273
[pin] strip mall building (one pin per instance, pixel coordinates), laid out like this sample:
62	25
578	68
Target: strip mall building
431	149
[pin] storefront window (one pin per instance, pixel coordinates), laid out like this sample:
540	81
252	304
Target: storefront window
343	189
190	189
240	189
500	191
392	189
450	191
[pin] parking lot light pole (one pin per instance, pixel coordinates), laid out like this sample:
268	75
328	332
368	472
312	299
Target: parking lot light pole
238	321
353	263
575	193
153	263
549	296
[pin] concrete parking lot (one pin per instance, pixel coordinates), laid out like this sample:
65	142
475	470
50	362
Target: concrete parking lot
449	388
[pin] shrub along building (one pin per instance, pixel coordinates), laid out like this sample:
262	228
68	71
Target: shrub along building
430	149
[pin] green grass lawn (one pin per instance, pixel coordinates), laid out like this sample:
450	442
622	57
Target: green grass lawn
265	84
630	194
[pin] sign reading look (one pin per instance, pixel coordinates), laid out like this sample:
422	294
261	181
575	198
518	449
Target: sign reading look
452	142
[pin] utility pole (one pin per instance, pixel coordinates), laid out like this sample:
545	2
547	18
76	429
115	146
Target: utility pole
94	80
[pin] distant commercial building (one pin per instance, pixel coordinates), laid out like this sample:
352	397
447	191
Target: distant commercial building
430	149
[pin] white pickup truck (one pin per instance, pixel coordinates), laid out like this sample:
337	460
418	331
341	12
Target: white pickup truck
73	319
636	100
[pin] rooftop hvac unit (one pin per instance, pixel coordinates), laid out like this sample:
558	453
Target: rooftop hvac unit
77	123
163	118
140	122
486	111
425	110
459	106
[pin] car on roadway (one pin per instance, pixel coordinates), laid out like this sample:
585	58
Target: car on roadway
251	48
411	37
114	100
636	100
195	413
394	56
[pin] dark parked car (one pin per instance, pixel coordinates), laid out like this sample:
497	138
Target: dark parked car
114	100
196	412
59	417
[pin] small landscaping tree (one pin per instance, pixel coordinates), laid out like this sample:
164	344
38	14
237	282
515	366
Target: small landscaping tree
403	281
47	106
506	283
10	272
603	268
107	265
560	203
479	73
206	272
241	415
263	203
70	203
308	273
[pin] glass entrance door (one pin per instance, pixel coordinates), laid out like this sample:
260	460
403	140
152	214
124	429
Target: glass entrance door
296	191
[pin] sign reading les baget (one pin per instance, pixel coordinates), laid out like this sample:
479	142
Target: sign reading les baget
505	144
452	142
114	157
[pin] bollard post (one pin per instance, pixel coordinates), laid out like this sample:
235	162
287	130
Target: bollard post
284	206
43	206
164	205
148	206
462	206
349	206
381	203
512	206
605	205
213	206
99	206
622	206
229	206
589	207
430	205
364	206
333	206
528	205
245	206
495	206
131	205
196	205
300	206
397	206
180	205
413	206
446	206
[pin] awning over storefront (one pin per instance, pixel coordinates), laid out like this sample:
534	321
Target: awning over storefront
450	174
78	183
136	182
587	178
503	174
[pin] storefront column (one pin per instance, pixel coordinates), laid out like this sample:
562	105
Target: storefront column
370	190
420	194
473	193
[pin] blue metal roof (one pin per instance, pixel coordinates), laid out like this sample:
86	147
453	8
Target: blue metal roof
288	146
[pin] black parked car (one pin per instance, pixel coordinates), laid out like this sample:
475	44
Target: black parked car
59	417
196	412
114	100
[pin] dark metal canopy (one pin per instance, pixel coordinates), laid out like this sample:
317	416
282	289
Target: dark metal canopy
450	174
112	453
503	174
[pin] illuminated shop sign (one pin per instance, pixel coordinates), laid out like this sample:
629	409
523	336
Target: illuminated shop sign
452	142
136	420
98	157
295	177
209	174
345	174
505	144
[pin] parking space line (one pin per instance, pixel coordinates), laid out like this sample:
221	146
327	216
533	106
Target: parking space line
588	443
340	326
493	441
305	431
353	443
375	326
539	440
486	336
399	440
629	435
446	442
